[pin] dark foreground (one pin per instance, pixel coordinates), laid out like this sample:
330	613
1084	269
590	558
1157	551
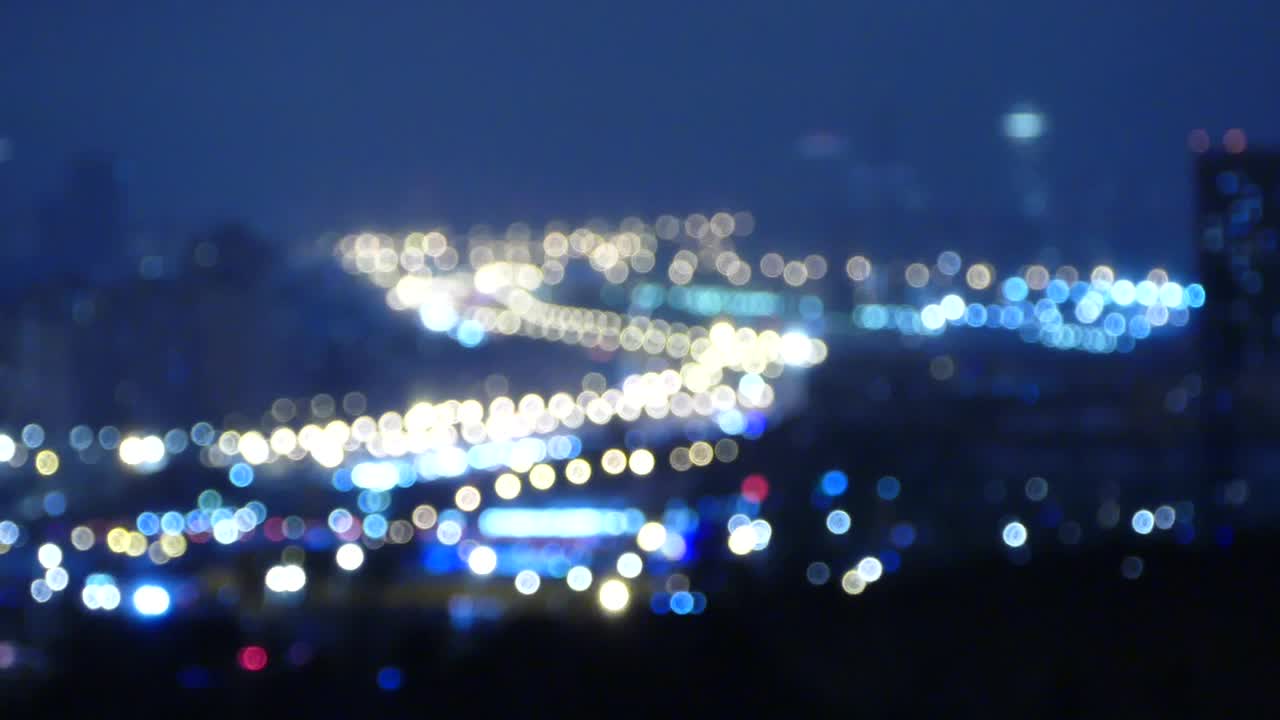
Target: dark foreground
1066	636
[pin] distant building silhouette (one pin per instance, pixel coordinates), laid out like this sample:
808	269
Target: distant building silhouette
1024	128
1240	270
83	224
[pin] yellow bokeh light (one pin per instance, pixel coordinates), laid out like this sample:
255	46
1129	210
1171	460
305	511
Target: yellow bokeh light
118	539
284	440
542	476
701	453
467	498
254	448
614	461
852	582
614	595
742	540
174	546
651	536
978	276
47	462
578	471
136	544
507	486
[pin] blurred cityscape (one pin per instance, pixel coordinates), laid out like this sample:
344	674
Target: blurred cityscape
856	385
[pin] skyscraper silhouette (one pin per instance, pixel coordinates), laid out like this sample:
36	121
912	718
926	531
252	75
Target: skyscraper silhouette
1240	271
82	227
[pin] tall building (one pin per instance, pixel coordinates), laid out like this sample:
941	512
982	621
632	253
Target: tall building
1237	232
1024	129
82	227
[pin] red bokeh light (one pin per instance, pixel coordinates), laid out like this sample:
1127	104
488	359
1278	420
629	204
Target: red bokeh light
273	528
252	658
755	488
1235	141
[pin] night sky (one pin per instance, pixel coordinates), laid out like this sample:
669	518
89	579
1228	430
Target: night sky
303	117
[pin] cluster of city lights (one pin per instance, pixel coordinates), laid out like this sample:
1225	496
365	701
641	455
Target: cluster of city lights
706	370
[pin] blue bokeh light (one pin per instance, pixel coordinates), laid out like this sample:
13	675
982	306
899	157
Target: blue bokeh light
834	482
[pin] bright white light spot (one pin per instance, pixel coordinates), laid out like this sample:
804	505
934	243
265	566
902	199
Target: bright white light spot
764	533
870	569
380	476
579	578
275	579
1123	293
7	448
742	540
1015	534
507	486
449	532
349	557
253	447
527	582
1147	293
226	531
1171	295
483	560
952	307
838	522
549	522
49	555
467	498
286	578
796	348
614	595
932	318
641	462
1143	522
1023	125
651	537
630	565
438	314
1089	307
151	600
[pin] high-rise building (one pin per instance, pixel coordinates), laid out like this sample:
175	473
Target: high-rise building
1024	128
1237	232
83	226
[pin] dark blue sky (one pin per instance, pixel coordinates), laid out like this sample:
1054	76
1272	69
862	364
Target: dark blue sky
305	116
